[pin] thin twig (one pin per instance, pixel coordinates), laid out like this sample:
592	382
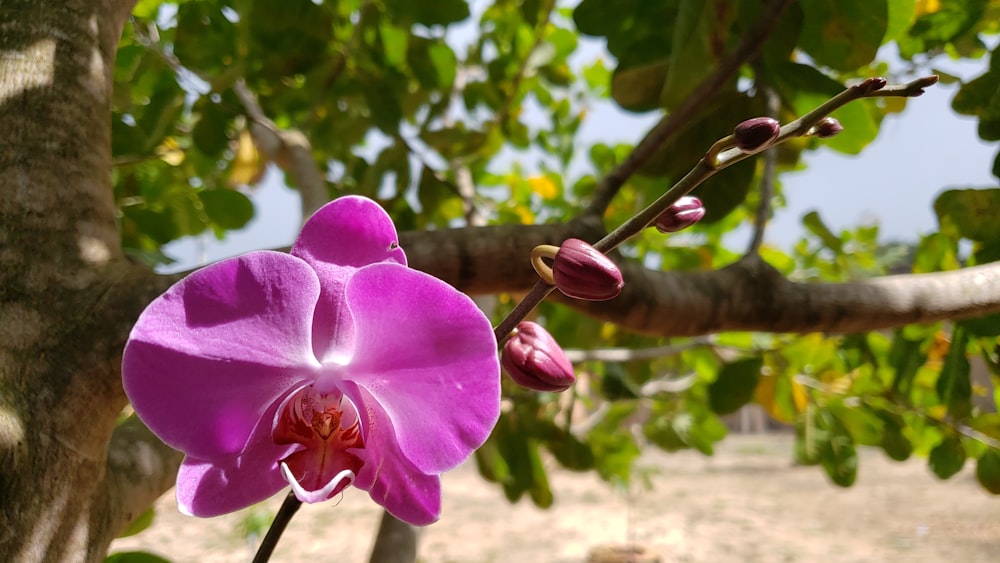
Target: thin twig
630	354
767	177
288	148
288	509
697	100
707	167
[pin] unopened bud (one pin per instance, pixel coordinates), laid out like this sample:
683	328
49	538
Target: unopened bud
755	135
827	127
685	212
534	360
580	271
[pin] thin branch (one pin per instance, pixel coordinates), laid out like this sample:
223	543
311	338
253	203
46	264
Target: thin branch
288	148
697	100
750	295
631	355
722	154
768	174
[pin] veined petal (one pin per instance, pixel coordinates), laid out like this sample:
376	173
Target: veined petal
207	358
346	234
389	477
207	489
210	488
428	356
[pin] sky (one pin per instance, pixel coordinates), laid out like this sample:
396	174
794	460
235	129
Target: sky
919	153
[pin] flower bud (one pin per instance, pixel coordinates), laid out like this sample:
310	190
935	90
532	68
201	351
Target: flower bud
534	360
827	127
580	271
685	212
755	135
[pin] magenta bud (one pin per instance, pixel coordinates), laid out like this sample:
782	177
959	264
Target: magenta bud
580	271
827	127
755	135
534	360
685	212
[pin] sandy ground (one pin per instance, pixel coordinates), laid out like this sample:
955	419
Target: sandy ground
746	503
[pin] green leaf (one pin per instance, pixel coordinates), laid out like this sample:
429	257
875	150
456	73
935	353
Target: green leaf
988	326
893	441
843	34
210	134
837	454
600	17
734	385
229	209
900	16
569	451
807	88
432	61
954	385
699	43
134	557
988	470
952	19
288	37
142	522
981	96
970	213
947	458
816	226
490	463
516	452
638	88
660	431
438	12
540	491
205	39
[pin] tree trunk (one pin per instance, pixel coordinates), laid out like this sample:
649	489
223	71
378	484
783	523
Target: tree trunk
64	316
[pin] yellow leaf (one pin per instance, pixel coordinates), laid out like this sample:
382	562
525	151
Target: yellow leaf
247	167
543	186
170	152
781	397
926	7
938	350
524	214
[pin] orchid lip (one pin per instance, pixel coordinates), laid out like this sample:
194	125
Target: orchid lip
327	430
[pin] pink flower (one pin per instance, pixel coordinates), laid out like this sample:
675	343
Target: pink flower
330	366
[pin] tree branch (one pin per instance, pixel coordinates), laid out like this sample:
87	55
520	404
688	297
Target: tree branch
288	148
751	295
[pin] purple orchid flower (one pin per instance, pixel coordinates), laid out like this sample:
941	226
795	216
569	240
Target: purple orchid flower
330	366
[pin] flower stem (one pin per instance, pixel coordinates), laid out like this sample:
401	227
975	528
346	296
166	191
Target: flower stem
281	520
720	156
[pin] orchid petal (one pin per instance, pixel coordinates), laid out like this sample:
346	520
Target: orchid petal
207	358
342	236
428	356
389	477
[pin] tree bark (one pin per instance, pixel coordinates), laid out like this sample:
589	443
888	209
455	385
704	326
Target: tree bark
64	315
